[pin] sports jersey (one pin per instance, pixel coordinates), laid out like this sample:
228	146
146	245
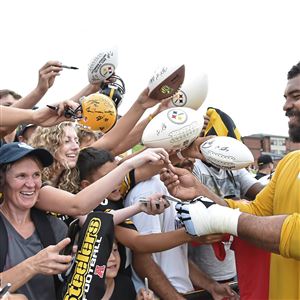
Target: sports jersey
107	205
128	183
124	288
282	196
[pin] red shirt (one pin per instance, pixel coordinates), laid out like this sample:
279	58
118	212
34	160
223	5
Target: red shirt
253	270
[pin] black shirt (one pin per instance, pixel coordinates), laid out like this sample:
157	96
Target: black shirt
124	288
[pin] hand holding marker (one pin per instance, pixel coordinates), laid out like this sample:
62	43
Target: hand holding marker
69	67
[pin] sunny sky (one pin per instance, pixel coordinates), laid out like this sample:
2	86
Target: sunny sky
245	47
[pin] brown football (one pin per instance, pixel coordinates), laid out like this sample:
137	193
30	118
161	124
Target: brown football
166	82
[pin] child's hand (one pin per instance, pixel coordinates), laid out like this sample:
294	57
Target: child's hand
154	204
145	295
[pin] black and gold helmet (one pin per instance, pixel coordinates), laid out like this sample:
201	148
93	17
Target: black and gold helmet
99	112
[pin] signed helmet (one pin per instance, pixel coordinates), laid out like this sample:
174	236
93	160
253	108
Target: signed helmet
99	112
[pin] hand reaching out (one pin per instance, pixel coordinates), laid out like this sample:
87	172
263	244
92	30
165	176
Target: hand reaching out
180	182
150	155
220	291
145	101
47	75
145	295
48	117
209	238
164	104
62	106
154	204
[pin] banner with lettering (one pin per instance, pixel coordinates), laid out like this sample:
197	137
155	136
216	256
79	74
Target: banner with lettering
86	281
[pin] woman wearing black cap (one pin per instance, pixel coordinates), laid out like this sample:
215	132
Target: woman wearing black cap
21	186
27	263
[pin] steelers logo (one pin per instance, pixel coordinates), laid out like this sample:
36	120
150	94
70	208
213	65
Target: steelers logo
107	70
179	99
177	116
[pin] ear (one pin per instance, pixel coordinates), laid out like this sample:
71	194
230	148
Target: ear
84	183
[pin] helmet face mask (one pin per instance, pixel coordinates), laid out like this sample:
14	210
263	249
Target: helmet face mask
73	113
114	88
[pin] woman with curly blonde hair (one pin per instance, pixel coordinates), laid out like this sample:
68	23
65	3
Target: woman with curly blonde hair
62	142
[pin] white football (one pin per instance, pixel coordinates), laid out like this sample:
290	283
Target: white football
166	81
173	128
103	65
226	153
192	92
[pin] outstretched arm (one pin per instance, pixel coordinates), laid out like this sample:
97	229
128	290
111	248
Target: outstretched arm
113	138
56	200
10	117
135	135
264	232
153	242
146	171
279	233
47	75
155	205
157	242
182	184
86	91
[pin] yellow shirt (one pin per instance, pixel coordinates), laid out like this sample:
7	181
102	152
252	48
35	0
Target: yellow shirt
280	197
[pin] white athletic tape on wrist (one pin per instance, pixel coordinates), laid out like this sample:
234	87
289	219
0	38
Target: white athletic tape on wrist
215	219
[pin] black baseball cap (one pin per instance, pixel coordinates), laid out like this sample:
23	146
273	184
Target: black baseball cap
14	151
264	159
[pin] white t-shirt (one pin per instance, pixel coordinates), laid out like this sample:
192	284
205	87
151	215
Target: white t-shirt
225	184
173	262
265	179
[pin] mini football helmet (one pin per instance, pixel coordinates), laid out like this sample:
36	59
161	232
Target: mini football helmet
99	112
114	88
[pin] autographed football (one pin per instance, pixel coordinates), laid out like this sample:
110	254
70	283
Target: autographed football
102	66
226	153
192	92
172	129
166	81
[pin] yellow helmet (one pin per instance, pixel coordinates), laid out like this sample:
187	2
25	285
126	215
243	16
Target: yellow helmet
99	112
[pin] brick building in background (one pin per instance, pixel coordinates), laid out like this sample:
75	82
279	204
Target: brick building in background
274	145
